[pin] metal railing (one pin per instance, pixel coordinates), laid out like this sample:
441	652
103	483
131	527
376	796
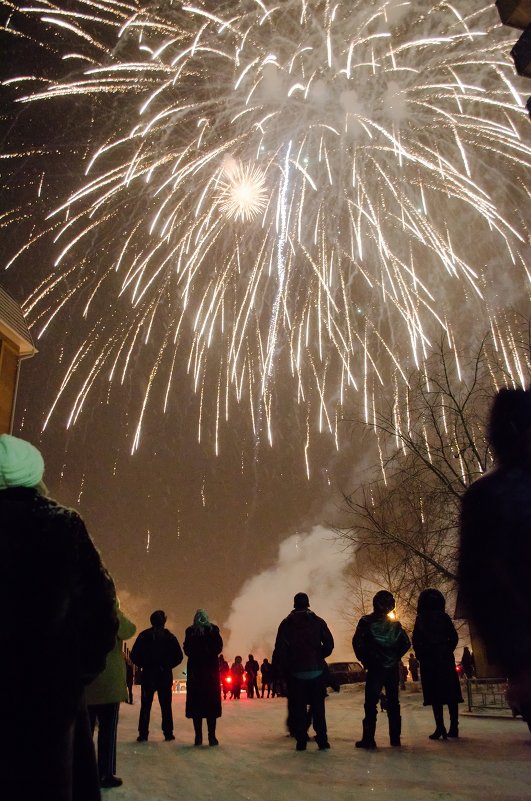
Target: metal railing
488	695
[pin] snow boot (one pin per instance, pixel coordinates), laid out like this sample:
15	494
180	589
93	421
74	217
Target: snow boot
367	739
211	724
440	731
198	729
395	729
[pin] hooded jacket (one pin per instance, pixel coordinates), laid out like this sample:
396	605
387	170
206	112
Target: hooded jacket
379	642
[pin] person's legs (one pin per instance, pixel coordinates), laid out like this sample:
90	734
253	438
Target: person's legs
211	726
393	706
164	692
297	711
146	700
373	688
440	731
453	709
107	731
317	694
85	783
198	731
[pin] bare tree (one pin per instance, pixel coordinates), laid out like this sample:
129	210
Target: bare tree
402	523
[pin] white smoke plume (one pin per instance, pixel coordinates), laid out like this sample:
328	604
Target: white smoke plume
313	563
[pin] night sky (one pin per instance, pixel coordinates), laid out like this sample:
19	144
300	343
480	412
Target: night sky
178	527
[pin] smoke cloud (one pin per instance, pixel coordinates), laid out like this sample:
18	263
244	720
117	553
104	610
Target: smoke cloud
313	563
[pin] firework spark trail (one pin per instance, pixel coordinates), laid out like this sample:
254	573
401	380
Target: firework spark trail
401	129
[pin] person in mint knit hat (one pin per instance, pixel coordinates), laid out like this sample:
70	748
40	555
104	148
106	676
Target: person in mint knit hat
58	623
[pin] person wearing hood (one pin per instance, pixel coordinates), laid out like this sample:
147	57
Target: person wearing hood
202	645
302	644
380	643
52	574
435	640
495	546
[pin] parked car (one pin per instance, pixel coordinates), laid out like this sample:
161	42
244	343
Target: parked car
347	672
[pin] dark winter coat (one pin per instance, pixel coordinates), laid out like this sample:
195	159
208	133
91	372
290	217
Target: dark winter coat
202	645
495	563
379	642
434	641
156	651
303	642
58	608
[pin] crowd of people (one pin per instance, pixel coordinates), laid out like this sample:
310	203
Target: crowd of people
50	564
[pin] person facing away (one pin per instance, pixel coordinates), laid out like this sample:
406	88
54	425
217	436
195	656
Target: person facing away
495	545
403	671
413	664
251	668
236	671
302	644
265	670
434	641
51	573
103	697
224	673
467	662
202	645
380	643
156	651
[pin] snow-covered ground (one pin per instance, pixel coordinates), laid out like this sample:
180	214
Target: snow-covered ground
255	761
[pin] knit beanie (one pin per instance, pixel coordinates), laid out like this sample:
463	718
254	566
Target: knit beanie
21	464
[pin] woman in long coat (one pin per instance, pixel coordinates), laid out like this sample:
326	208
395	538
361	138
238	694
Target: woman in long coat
202	645
434	641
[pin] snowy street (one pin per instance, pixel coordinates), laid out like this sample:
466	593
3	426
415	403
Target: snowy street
255	761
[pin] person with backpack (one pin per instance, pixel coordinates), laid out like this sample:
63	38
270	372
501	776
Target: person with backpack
156	651
302	644
380	643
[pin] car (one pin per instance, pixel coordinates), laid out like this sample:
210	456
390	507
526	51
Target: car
347	672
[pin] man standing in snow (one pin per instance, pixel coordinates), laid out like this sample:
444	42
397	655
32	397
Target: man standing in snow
303	642
156	651
58	623
380	643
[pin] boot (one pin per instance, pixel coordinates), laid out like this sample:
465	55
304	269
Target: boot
395	729
211	724
453	731
367	739
440	731
198	729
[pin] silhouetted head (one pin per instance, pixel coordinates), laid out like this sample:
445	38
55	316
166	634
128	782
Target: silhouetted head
431	600
158	619
237	659
301	601
383	602
509	427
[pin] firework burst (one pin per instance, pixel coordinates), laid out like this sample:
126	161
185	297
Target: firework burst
302	189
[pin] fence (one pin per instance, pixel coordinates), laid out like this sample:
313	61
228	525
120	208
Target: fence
488	695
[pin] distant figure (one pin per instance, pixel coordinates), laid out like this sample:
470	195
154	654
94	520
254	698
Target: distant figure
129	678
495	545
413	664
58	623
266	671
202	645
434	641
224	674
156	651
467	663
236	672
303	642
402	672
379	643
103	698
251	668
